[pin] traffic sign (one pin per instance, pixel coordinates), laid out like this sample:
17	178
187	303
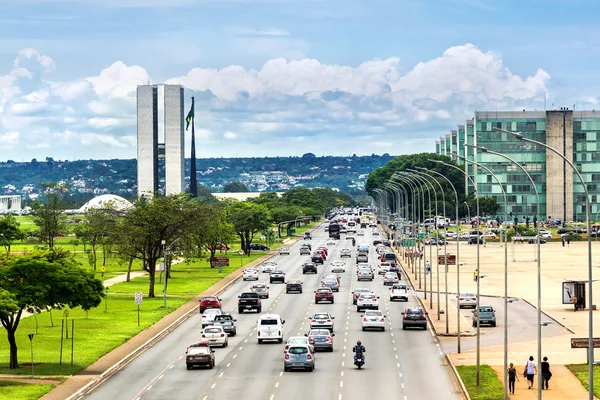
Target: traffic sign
103	269
241	252
423	235
139	298
219	262
583	343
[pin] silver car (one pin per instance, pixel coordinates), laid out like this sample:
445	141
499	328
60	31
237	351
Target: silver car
322	321
261	289
365	273
331	283
299	356
390	278
321	339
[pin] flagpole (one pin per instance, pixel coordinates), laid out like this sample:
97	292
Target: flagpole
193	182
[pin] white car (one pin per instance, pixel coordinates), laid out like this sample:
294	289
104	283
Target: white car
208	316
399	292
365	273
467	300
373	319
322	320
331	242
284	251
338	266
545	234
298	341
390	278
384	268
450	235
268	266
345	253
250	274
367	300
464	235
270	327
215	336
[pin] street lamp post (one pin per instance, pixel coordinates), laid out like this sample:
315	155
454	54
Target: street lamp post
539	265
505	272
588	221
414	195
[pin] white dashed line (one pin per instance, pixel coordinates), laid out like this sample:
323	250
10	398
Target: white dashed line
221	374
402	385
240	348
213	385
343	363
281	373
171	367
149	387
341	384
246	341
342	373
235	355
160	377
277	385
228	364
205	397
180	357
272	397
340	396
398	365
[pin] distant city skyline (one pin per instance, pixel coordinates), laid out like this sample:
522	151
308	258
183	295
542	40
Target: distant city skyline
337	77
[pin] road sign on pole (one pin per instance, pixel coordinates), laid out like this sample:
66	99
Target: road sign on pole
241	252
31	344
139	298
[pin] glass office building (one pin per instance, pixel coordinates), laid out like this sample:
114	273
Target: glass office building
574	133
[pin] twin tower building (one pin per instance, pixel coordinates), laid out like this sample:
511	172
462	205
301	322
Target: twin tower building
149	150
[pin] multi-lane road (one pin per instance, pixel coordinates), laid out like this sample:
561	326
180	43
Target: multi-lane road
399	364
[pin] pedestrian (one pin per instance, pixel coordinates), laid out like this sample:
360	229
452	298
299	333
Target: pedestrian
427	268
574	301
530	371
568	241
562	239
512	376
475	274
546	374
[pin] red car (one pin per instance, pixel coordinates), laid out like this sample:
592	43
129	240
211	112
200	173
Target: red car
324	249
209	302
323	294
220	246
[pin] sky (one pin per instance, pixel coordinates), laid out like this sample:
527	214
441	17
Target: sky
285	77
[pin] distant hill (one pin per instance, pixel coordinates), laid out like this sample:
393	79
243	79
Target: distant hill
87	178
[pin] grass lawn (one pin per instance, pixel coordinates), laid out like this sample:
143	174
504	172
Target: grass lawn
581	372
22	391
490	387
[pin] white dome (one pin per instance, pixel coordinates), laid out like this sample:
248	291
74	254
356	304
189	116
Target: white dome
104	200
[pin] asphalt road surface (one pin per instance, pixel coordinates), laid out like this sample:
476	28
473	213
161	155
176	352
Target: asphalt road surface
522	326
399	364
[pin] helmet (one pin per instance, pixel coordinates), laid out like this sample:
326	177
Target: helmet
358	343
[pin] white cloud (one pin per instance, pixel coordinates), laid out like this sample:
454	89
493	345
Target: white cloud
119	81
103	122
43	60
230	135
9	140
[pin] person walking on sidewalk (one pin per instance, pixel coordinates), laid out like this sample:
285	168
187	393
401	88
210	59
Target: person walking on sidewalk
427	268
546	374
512	376
530	371
475	274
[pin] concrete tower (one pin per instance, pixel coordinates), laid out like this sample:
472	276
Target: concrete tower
174	140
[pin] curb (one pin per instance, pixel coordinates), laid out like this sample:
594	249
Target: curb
458	378
549	316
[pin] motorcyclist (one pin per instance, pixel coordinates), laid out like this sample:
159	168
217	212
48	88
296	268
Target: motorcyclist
359	349
353	242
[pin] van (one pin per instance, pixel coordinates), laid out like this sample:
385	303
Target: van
389	257
270	327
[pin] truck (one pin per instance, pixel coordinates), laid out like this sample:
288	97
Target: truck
248	301
334	231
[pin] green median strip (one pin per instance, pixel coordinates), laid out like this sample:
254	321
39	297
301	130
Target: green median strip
15	390
581	372
490	386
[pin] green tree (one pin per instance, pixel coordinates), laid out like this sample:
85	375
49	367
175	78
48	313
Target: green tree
235	187
10	231
205	193
305	198
211	227
95	229
248	219
487	205
49	215
40	280
141	231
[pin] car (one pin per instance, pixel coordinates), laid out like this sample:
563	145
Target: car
227	322
360	233
373	319
535	239
376	242
298	356
208	316
268	266
201	343
338	266
399	292
321	339
487	316
388	256
249	301
367	301
277	275
467	300
261	289
219	247
365	274
317	259
284	251
209	302
363	249
384	268
473	240
259	247
414	317
215	336
345	253
357	292
293	286
324	294
200	356
362	258
332	283
390	278
250	274
297	340
309	268
270	327
307	236
304	250
322	320
331	242
396	269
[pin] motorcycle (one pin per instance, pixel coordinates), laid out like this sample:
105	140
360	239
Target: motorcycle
360	361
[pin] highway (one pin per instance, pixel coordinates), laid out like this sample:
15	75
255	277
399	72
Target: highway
399	364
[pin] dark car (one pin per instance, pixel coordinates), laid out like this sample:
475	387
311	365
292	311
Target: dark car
395	269
376	242
309	268
259	246
473	240
317	259
200	356
249	301
323	294
307	236
414	317
293	286
209	302
534	240
277	275
227	322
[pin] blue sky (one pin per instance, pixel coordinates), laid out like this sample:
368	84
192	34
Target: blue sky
285	77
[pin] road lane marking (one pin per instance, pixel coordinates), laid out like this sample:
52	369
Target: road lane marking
149	387
221	375
160	377
340	396
277	385
180	357
395	349
213	385
343	363
342	373
281	373
341	384
235	355
272	397
228	364
171	367
205	397
241	348
246	341
400	373
402	385
398	365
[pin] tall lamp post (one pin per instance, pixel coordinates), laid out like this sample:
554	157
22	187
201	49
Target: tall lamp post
539	264
505	271
415	198
588	221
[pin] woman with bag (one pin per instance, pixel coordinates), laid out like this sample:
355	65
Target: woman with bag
546	373
530	371
512	375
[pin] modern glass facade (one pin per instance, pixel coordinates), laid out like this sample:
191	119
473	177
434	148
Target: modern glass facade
574	133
